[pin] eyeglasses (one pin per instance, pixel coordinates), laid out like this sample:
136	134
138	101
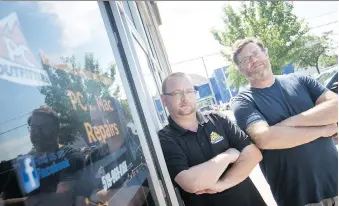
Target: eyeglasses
180	94
31	127
245	60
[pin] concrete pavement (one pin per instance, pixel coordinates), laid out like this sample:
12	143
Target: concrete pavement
264	189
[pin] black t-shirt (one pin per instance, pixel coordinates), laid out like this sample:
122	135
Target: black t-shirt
65	165
300	175
184	149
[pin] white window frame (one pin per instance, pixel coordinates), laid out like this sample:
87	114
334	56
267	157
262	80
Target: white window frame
139	86
137	29
145	47
155	186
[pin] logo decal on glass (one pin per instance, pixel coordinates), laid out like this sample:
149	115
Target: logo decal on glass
27	174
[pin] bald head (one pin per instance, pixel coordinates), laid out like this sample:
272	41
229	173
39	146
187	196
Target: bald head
171	76
178	95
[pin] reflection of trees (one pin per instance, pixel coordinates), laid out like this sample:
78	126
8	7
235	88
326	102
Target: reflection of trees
56	96
126	110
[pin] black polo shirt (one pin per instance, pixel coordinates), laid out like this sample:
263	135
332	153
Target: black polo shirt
183	149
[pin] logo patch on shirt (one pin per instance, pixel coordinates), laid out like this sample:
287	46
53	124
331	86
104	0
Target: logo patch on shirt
215	138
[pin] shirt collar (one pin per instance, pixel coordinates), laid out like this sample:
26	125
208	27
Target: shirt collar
201	119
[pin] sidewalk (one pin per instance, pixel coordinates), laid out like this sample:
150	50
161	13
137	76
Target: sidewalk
260	182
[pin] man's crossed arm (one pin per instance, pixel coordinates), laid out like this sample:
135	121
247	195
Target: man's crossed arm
324	113
319	121
205	175
249	157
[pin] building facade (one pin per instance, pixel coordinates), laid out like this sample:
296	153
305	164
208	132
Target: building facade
222	90
97	67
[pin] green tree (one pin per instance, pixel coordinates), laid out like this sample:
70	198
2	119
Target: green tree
274	23
126	110
56	95
315	52
328	60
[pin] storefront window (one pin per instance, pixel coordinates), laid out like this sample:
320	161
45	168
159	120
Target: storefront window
147	32
149	80
127	9
67	135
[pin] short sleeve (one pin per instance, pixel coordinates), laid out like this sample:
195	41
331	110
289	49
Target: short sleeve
175	158
245	113
236	137
315	89
76	165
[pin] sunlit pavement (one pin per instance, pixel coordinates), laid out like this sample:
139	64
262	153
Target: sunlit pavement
260	182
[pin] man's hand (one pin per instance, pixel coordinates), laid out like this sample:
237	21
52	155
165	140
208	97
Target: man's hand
330	130
218	187
233	153
206	175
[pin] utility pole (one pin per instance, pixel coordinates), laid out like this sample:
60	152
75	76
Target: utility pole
203	61
228	87
209	81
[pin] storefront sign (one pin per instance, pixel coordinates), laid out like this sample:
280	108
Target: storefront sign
17	63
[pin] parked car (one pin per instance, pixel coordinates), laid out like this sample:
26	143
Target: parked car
206	108
329	78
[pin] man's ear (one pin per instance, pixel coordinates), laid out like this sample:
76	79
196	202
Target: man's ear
266	51
237	67
163	100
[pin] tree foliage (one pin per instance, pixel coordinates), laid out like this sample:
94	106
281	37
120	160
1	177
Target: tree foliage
273	23
316	52
328	60
56	95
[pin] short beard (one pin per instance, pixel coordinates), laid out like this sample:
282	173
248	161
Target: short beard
259	77
183	113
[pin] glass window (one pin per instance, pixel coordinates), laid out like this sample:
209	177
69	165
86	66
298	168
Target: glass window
127	9
149	80
147	32
67	135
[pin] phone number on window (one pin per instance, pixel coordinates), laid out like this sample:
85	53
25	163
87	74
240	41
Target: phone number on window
112	177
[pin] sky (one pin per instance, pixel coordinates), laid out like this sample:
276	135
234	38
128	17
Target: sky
58	29
186	29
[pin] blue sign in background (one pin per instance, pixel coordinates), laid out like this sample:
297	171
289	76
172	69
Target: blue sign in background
219	86
288	69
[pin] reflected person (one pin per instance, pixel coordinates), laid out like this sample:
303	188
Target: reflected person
57	185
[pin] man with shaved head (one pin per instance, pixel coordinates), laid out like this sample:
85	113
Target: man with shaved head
207	156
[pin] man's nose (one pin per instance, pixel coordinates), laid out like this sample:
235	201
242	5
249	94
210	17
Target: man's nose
36	131
183	96
254	59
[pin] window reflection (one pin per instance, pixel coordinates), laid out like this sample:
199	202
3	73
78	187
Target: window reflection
149	80
67	135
